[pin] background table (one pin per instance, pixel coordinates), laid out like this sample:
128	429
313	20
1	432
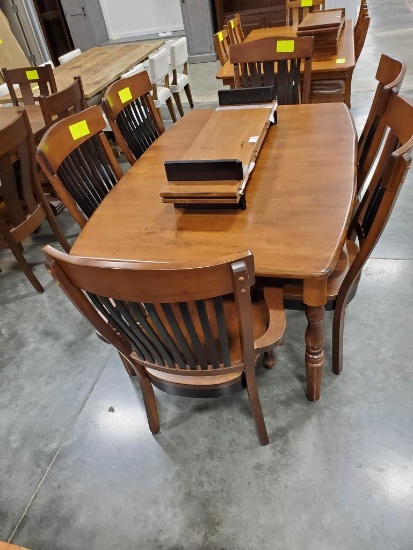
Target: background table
324	67
299	203
8	114
101	66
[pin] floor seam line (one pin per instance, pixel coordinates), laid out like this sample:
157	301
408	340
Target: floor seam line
40	483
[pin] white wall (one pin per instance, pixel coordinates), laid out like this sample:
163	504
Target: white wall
125	18
351	7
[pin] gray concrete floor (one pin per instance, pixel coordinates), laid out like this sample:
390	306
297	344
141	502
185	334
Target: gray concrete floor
338	474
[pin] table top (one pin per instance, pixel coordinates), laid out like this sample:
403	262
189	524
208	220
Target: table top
299	200
100	66
8	114
320	63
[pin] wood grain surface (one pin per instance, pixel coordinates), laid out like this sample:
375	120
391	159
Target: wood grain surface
299	197
8	114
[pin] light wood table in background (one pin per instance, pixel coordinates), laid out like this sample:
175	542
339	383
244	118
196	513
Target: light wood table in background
324	67
101	66
299	202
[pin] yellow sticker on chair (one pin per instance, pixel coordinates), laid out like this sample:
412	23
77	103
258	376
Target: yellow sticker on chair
232	23
1	41
220	36
341	60
125	95
285	46
32	75
306	3
79	130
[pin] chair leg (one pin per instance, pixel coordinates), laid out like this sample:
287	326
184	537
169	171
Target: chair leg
187	89
150	402
57	232
256	407
171	109
127	365
338	329
269	359
178	102
21	260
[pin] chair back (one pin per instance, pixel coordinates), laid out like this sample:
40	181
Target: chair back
20	193
41	78
179	53
236	34
69	55
390	75
158	65
63	104
221	41
48	62
169	317
132	115
276	62
79	163
298	9
380	197
360	29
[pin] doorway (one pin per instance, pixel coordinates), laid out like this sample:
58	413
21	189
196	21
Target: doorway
54	26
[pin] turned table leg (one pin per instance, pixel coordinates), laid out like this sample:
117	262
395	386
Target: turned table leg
314	351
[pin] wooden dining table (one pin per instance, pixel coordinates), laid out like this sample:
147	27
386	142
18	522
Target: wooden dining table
324	67
8	114
100	66
299	202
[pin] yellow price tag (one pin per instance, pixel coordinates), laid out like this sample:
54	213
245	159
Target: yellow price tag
79	130
285	46
341	60
32	75
220	37
306	3
1	41
125	95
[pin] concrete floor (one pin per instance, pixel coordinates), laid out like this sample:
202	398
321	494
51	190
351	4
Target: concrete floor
337	475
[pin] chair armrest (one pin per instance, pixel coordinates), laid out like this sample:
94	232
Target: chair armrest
277	321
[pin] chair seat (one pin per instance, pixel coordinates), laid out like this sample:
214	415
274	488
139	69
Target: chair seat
182	81
163	95
346	258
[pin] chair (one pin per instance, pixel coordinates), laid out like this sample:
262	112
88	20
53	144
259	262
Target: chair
132	115
159	72
180	80
70	55
41	77
23	206
135	70
298	9
235	32
63	104
326	91
221	41
254	66
203	336
368	222
48	62
78	162
390	74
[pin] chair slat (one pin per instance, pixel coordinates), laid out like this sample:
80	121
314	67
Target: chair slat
209	338
222	330
180	338
193	335
164	335
9	191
